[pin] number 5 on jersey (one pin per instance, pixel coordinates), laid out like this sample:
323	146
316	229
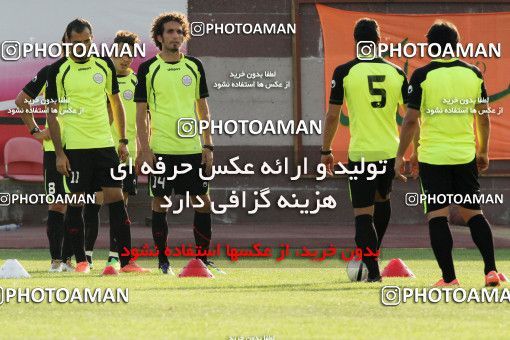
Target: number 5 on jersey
377	91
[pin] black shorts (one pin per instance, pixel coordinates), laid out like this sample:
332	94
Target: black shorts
459	179
362	190
190	181
53	180
130	183
91	169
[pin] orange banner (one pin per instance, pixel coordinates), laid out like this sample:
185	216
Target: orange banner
339	47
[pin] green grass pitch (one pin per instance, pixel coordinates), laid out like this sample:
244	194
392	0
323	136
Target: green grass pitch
294	299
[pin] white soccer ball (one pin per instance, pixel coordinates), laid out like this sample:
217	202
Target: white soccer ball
357	271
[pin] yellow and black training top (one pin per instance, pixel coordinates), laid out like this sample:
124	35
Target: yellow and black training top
373	90
446	92
84	87
171	90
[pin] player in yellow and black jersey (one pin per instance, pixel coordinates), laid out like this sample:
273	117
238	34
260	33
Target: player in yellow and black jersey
86	154
59	241
60	246
126	79
174	86
449	159
373	90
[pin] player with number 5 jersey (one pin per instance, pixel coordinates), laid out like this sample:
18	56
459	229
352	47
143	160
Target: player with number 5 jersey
373	89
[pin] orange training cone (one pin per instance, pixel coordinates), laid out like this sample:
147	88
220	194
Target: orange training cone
195	268
109	270
397	268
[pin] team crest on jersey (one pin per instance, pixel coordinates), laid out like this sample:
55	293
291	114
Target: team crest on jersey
128	95
333	84
410	89
98	78
186	80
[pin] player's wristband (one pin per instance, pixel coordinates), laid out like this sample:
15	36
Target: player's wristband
207	146
326	152
35	130
123	141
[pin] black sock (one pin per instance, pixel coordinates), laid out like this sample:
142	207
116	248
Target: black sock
382	213
67	248
202	231
91	218
113	245
482	236
160	234
55	232
74	230
121	225
442	245
366	237
88	257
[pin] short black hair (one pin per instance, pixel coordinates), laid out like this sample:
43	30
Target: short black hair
443	33
366	29
78	25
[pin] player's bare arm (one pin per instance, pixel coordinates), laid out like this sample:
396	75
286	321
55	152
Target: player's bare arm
145	154
416	142
330	127
22	102
483	128
63	165
207	153
110	113
119	119
409	127
415	171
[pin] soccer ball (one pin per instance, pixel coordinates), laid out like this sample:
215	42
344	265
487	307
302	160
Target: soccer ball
357	271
